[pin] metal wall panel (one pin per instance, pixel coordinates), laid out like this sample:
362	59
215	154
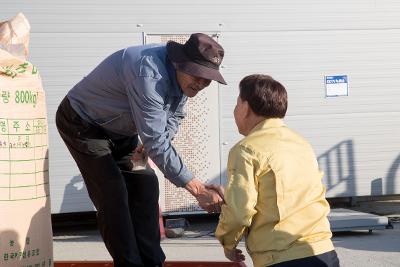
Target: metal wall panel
356	138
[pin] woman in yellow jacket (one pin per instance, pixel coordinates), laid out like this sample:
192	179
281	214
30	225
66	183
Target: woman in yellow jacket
274	195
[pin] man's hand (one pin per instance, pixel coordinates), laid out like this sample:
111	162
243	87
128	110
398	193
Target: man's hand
139	158
234	255
209	199
138	153
218	188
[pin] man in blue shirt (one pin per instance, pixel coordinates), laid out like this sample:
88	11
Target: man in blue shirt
137	91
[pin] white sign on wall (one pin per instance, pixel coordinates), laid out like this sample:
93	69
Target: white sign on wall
336	85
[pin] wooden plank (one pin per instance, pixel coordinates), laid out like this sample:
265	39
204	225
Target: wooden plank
167	264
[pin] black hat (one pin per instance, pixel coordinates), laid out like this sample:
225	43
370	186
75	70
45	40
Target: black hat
200	56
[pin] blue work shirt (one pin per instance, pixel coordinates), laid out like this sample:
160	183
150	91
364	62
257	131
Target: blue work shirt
135	91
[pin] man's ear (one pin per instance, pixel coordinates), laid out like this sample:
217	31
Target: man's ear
247	109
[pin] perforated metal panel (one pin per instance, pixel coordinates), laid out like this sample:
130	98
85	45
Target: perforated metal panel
197	141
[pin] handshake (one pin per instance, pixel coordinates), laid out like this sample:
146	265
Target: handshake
210	197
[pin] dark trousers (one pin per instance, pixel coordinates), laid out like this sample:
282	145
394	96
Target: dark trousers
328	259
126	202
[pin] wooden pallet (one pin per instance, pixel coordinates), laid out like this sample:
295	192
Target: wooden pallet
167	264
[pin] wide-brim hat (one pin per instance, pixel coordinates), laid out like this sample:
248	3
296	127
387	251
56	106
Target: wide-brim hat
200	56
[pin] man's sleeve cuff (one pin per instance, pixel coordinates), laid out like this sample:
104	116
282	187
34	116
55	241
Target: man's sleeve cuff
183	178
225	244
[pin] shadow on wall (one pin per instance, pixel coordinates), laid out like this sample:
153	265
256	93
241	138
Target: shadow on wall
339	171
338	166
76	195
377	188
391	176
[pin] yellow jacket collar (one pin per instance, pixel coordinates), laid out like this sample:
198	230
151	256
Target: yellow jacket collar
268	123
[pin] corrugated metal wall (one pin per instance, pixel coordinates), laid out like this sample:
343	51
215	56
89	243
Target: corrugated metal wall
356	137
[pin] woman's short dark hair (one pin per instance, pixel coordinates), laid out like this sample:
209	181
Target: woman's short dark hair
266	97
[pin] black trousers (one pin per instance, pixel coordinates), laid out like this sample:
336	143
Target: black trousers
126	202
328	259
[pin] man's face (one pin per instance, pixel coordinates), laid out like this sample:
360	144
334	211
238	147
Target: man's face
240	113
191	85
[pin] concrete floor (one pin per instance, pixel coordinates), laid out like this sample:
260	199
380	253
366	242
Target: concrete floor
357	248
